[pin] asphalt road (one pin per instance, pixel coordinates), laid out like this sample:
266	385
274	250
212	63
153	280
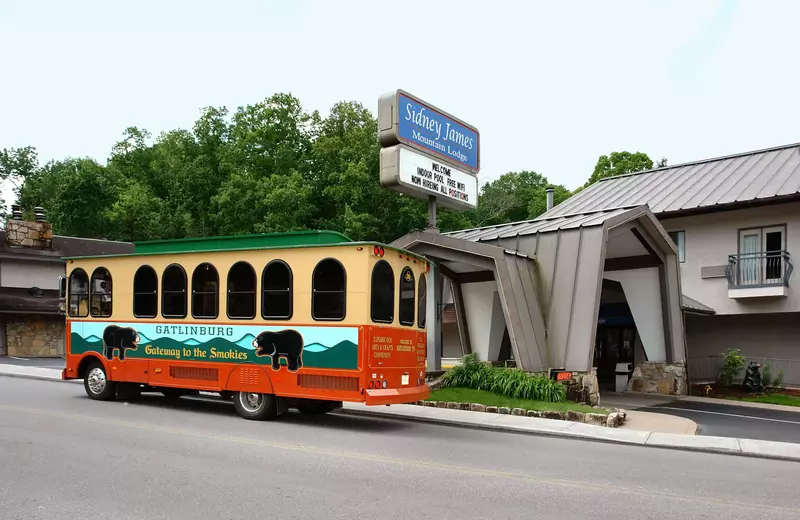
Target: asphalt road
736	421
63	456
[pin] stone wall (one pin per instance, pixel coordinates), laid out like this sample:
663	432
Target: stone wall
34	235
35	336
659	378
583	388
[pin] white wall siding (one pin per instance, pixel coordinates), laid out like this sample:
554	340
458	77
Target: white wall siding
643	293
14	273
711	238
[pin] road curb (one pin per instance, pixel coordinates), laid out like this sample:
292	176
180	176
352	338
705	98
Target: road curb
40	378
585	437
563	434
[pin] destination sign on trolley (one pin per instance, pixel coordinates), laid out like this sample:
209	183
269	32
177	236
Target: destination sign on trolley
408	171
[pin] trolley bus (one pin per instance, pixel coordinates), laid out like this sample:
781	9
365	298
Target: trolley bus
304	320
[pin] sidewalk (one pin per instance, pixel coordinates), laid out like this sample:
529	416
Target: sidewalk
638	429
540	426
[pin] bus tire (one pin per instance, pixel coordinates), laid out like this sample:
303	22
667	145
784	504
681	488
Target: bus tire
255	406
96	383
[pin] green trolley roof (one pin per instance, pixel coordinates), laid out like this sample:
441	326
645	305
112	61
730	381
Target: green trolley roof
291	239
266	240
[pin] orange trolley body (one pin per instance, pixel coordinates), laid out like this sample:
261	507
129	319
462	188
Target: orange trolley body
305	320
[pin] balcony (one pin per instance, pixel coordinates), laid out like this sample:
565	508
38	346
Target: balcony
758	275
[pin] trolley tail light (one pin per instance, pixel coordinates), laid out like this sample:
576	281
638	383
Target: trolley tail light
378	251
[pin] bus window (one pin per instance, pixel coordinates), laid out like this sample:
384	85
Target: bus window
79	294
407	297
173	292
205	291
328	291
145	292
100	293
276	286
422	306
382	290
242	291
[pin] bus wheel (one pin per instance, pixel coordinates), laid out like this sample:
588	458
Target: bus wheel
96	383
317	407
255	406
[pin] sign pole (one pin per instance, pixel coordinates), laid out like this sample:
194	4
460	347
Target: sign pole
432	214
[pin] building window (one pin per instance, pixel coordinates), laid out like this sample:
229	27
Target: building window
422	305
173	292
242	291
382	293
407	301
276	287
761	255
205	292
100	293
328	291
679	237
79	294
145	292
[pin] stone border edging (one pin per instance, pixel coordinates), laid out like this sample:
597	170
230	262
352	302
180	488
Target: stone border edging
613	420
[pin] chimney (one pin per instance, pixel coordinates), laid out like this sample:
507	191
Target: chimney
32	235
550	192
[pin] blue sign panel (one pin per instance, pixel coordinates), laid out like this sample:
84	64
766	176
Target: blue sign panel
420	125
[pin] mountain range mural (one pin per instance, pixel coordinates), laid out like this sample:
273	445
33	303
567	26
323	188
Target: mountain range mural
340	355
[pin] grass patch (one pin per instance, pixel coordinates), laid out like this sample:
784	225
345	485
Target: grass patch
469	395
786	400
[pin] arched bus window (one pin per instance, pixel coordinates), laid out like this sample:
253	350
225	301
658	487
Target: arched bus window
205	291
100	293
173	292
79	294
407	301
382	291
328	291
242	292
422	297
145	292
276	287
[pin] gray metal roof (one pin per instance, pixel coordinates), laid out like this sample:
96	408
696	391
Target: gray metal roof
690	304
719	182
530	227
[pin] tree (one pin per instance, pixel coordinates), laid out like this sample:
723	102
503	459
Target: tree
17	165
515	196
620	163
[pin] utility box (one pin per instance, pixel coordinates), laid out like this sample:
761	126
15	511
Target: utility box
623	374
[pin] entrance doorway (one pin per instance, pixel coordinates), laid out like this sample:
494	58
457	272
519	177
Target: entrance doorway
614	344
616	335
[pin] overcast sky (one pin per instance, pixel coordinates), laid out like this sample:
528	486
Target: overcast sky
551	86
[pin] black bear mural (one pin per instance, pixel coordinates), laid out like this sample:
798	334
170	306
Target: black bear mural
120	338
285	343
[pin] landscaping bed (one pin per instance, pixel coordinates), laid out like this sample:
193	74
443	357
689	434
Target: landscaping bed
782	396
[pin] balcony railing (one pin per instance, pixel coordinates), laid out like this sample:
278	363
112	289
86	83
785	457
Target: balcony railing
762	269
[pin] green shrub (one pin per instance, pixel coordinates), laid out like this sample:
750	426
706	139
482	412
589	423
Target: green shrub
731	368
510	382
778	382
766	375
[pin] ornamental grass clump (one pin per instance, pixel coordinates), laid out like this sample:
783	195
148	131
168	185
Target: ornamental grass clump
510	382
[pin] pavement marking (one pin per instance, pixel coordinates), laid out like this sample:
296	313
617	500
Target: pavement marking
585	486
722	413
20	358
